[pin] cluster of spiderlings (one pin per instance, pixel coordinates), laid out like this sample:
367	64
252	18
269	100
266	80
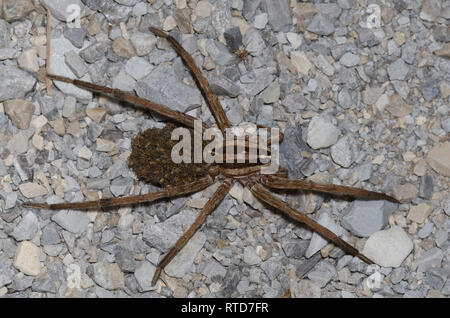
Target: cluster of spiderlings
150	159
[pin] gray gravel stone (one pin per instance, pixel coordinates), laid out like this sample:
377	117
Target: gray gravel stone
279	14
364	171
183	261
343	261
294	248
344	151
103	293
324	65
272	268
123	81
323	273
60	46
117	168
129	3
121	186
219	53
214	269
108	276
436	277
321	133
349	59
317	241
233	38
256	80
19	83
398	70
249	8
235	113
138	67
94	52
388	248
260	21
426	230
27	227
250	256
409	52
367	37
221	17
17	10
125	259
144	275
307	289
445	123
161	56
265	117
3	122
7	53
10	199
162	86
429	259
125	222
6	273
164	235
430	89
143	43
397	275
51	106
306	266
290	150
446	289
345	79
426	186
363	218
321	25
75	63
50	235
441	238
4	34
330	9
61	9
254	43
21	282
44	284
75	36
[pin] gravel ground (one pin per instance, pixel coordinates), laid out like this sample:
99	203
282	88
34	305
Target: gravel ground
360	88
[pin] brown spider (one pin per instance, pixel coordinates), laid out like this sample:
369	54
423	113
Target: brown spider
151	163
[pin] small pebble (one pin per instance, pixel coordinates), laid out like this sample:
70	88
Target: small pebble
123	48
27	258
388	248
19	111
28	61
31	190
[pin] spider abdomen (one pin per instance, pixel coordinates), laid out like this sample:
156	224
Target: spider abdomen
151	161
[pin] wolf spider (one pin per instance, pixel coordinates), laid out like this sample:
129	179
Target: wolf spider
151	163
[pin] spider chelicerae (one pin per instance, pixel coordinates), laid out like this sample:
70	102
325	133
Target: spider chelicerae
150	160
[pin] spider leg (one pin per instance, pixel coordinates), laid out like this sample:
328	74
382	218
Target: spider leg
130	200
276	182
264	195
209	207
211	98
130	98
